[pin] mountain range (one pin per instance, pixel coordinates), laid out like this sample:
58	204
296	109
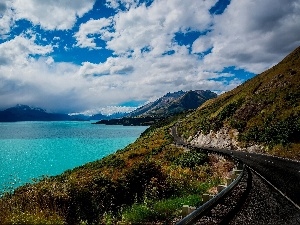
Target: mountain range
169	104
166	106
28	113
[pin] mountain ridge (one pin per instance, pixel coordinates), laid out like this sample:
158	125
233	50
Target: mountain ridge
28	113
173	103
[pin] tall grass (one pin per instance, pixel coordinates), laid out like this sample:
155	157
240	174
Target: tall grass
163	210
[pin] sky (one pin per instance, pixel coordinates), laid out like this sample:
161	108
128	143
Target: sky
115	55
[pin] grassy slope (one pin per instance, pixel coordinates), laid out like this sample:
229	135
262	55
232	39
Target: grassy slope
149	180
265	110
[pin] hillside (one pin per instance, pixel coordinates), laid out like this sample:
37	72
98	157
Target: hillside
173	103
262	114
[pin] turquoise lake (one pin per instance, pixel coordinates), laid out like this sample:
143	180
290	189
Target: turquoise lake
33	149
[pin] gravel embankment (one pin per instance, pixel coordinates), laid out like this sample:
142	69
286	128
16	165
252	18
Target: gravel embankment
264	205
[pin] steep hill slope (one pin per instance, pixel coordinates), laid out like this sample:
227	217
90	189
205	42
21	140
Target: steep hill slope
262	114
173	103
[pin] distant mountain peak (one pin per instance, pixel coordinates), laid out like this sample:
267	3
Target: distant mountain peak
172	103
26	107
22	112
28	113
170	94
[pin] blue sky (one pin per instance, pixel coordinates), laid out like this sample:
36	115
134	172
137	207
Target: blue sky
114	55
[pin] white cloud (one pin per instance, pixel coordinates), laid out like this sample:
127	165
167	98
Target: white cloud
42	82
49	60
108	110
112	66
153	26
2	8
17	51
52	14
6	18
252	35
202	44
236	40
145	76
36	80
124	3
95	27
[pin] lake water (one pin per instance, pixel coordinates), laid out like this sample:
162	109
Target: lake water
32	149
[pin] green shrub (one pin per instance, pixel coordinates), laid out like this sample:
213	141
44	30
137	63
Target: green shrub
164	210
137	213
191	159
274	131
139	178
238	124
230	109
204	125
117	163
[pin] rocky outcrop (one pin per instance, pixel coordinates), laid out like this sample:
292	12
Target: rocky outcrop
225	138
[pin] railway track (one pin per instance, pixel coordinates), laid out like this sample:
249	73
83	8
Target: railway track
267	193
252	200
226	209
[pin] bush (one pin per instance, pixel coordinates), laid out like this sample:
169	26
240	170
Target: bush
229	110
274	131
191	159
139	178
238	124
88	203
164	210
138	213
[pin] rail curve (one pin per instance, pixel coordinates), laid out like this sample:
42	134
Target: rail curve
281	175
